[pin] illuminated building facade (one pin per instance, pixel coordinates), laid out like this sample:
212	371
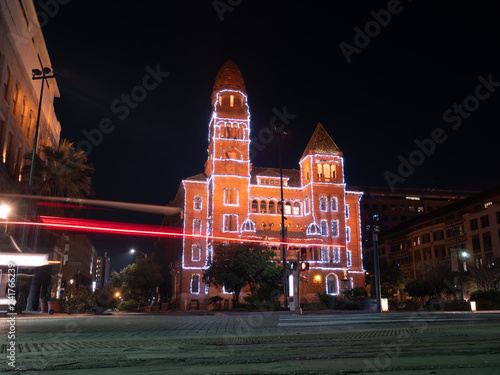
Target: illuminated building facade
235	200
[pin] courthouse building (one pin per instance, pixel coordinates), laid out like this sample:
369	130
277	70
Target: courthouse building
233	199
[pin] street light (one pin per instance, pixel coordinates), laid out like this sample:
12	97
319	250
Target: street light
4	212
133	251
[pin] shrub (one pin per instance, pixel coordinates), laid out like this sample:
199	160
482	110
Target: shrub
130	305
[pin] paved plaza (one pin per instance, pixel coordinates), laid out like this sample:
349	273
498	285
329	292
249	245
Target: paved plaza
254	343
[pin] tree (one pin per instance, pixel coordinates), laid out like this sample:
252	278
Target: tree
419	289
486	276
237	265
60	171
138	280
437	272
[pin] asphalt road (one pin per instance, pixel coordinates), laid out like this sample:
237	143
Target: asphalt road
256	343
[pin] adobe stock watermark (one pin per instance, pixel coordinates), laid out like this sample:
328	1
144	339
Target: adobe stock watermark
454	116
266	135
122	107
363	37
49	9
223	6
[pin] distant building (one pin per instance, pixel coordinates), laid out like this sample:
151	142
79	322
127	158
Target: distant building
236	200
79	262
471	225
101	276
22	48
383	208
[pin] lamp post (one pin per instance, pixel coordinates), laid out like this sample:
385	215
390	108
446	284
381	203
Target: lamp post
4	213
280	130
133	251
43	75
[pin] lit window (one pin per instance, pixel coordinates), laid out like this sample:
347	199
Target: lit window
326	170
334	171
231	100
196	253
320	170
296	208
197	201
230	196
220	100
195	284
230	222
288	208
255	206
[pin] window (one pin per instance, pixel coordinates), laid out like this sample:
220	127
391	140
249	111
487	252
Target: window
312	230
325	254
296	208
324	228
322	203
487	244
331	284
334	204
308	176
334	171
196	253
347	211
196	226
393	207
263	207
485	221
197	201
348	234
349	258
248	226
307	208
473	224
420	209
336	254
231	196
375	207
411	208
320	170
195	284
476	244
230	222
231	100
335	226
272	207
255	206
15	104
326	170
288	208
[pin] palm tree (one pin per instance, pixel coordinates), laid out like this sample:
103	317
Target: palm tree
60	171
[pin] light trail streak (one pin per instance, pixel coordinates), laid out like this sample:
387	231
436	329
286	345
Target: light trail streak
105	227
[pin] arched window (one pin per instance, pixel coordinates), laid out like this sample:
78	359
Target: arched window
326	170
196	226
308	176
296	208
197	201
288	208
320	170
263	207
331	284
313	230
322	204
195	284
255	206
334	204
248	226
231	153
334	171
335	228
272	207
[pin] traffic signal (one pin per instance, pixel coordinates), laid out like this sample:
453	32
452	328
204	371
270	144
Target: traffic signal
304	266
293	265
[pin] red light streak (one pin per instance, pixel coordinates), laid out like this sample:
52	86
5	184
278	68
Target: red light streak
106	227
69	206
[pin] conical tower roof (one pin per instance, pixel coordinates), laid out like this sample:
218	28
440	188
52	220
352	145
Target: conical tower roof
321	143
229	77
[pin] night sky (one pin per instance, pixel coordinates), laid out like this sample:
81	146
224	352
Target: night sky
407	79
